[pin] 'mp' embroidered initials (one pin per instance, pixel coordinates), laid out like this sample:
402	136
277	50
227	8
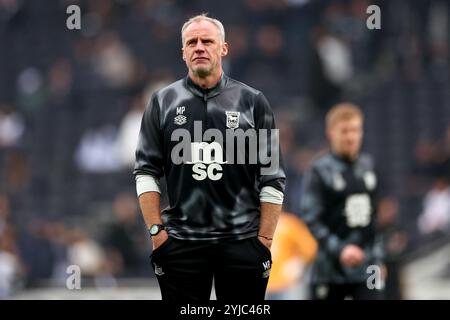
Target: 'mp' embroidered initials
180	119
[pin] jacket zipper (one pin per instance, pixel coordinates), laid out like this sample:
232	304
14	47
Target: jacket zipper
205	99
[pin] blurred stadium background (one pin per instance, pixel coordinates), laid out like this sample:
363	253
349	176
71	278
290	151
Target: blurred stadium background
71	103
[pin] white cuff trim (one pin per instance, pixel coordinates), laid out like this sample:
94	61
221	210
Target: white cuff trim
271	195
146	183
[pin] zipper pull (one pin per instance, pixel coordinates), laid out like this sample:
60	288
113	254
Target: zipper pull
205	97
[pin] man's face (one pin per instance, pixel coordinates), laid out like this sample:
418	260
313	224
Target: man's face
203	49
346	137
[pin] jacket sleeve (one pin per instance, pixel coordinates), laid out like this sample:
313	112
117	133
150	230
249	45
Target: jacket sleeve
270	163
378	248
312	212
149	151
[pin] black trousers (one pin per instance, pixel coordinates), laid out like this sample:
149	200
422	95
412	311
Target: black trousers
355	291
185	269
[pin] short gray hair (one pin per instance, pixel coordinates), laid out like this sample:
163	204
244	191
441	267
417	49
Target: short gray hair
204	17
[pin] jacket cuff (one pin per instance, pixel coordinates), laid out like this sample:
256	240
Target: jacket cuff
271	195
147	183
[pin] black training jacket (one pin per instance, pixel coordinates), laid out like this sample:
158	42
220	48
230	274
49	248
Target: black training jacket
339	206
211	195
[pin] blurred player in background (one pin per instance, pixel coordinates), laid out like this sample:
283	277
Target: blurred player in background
293	250
339	207
222	215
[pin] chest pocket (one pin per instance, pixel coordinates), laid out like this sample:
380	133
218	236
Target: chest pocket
358	210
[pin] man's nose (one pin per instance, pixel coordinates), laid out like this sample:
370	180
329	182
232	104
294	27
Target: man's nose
199	46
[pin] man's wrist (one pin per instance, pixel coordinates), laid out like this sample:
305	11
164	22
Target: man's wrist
161	233
265	237
155	229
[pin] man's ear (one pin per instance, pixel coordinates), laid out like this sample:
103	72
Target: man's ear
182	54
224	49
328	133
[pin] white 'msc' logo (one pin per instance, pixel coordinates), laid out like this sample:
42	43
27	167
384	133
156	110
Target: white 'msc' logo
206	159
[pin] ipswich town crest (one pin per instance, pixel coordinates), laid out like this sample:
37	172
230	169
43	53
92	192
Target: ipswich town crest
232	119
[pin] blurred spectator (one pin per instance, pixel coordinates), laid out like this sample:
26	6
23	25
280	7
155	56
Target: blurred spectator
396	241
238	58
299	161
434	160
287	145
53	246
438	35
31	91
129	128
60	79
296	159
16	172
85	252
10	265
293	249
444	163
424	166
57	235
113	61
264	69
9	262
128	132
12	126
332	61
9	8
436	208
336	59
125	237
331	67
36	252
97	151
4	212
446	146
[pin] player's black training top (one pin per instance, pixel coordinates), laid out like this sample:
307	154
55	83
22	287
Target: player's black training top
210	198
339	207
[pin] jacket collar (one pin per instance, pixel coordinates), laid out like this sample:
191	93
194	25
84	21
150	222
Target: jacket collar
343	158
206	93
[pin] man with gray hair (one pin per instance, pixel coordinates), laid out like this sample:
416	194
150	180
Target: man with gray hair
222	212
